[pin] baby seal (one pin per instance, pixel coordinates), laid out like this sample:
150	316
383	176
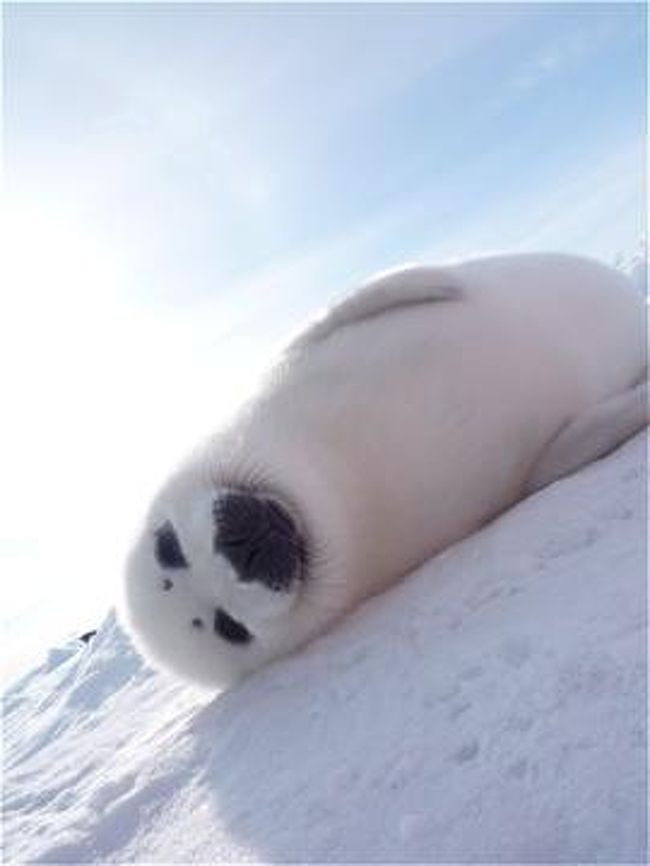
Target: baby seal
399	422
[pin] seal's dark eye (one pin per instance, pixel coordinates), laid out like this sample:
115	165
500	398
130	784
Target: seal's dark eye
229	629
259	538
168	549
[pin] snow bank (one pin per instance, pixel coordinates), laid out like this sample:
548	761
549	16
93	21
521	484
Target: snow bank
491	707
635	266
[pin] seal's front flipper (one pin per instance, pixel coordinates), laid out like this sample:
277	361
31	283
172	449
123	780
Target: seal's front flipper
591	435
409	286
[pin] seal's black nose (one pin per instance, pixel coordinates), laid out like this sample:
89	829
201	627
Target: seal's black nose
259	538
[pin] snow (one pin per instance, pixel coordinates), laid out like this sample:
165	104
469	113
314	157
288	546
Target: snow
635	265
491	707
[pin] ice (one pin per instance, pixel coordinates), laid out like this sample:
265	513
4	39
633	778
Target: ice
489	708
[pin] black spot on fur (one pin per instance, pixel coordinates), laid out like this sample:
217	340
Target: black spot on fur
229	629
167	584
168	548
259	538
197	622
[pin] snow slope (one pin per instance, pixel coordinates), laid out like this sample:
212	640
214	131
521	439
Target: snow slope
491	708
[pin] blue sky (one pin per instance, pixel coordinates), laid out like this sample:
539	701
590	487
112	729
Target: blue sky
187	182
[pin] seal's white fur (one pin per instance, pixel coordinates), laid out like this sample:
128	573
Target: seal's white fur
398	423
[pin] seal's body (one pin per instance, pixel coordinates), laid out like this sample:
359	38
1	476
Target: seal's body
411	413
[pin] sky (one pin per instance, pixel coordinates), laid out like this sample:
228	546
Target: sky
186	183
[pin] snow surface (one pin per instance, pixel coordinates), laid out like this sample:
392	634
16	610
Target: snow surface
492	707
635	266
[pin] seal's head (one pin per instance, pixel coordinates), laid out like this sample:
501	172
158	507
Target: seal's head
213	578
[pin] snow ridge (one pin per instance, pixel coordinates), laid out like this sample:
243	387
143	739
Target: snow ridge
491	707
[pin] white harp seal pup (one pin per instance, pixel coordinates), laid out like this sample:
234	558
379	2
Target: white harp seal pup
400	421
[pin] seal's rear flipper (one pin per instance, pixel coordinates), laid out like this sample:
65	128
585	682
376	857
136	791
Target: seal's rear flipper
592	435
